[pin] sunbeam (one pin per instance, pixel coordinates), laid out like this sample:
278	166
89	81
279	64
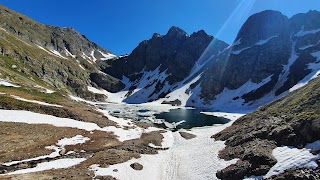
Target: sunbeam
236	17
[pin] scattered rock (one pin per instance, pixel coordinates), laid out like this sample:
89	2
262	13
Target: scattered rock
136	166
187	135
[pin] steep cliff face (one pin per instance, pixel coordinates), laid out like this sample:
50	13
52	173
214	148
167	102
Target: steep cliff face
159	65
270	56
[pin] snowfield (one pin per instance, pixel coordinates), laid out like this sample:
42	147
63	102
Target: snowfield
196	158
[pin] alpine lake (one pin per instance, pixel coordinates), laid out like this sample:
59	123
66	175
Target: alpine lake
164	117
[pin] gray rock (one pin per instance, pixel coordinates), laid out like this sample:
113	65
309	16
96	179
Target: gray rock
136	166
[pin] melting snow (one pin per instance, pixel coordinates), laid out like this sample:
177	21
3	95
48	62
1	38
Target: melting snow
35	118
231	99
56	164
107	56
68	53
94	59
34	101
58	54
304	33
5	83
48	91
291	157
78	139
237	52
262	42
315	67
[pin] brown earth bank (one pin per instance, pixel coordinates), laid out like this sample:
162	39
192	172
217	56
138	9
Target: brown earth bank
22	141
293	120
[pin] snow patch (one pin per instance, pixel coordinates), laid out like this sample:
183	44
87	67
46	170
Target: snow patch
291	157
237	52
19	116
315	67
56	164
265	41
6	83
68	53
48	91
302	32
78	139
34	101
94	59
107	56
58	54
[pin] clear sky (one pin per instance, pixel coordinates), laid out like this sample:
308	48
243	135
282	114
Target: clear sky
119	25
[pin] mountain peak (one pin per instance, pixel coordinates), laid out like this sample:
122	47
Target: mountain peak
176	31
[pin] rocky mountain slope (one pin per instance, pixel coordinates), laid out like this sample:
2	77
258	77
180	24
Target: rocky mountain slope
271	56
163	64
293	121
34	54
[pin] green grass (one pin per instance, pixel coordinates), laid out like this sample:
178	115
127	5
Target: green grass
302	104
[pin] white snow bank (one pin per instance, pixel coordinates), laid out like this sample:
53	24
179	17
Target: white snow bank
265	41
56	164
304	33
315	71
34	101
107	56
19	116
131	133
237	52
78	139
231	116
48	91
291	157
93	58
6	83
58	54
68	53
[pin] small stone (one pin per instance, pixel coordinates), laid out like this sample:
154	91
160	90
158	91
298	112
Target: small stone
136	166
115	170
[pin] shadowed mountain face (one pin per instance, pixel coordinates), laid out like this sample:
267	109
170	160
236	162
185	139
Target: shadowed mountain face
271	55
268	47
176	53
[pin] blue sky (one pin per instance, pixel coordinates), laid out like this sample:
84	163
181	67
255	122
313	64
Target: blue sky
119	25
